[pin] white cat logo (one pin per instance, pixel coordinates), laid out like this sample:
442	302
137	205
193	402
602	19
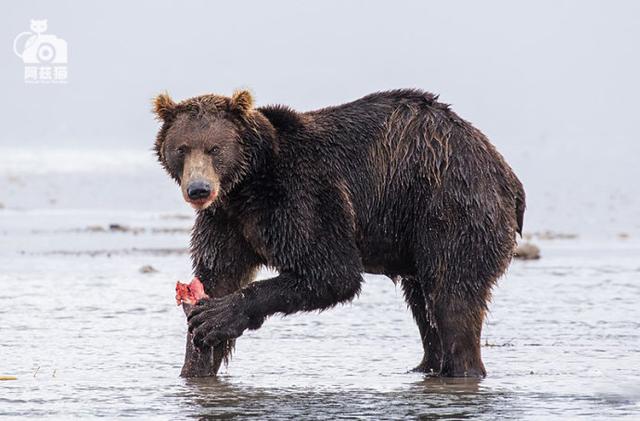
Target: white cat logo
44	55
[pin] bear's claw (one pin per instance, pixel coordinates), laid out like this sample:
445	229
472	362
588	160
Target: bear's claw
213	321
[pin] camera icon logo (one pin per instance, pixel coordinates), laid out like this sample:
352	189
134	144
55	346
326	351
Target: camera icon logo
40	48
44	55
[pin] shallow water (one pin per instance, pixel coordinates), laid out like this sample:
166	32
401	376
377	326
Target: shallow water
87	334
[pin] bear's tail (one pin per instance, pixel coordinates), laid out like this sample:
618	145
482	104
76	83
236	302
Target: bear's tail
520	205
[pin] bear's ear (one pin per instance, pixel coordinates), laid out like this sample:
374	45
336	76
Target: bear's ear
164	107
242	101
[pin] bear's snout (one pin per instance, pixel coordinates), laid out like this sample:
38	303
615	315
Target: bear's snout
197	190
199	183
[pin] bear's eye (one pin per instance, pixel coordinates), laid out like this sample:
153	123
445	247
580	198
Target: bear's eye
182	149
214	150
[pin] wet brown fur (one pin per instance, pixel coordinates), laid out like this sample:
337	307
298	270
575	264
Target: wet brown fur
393	183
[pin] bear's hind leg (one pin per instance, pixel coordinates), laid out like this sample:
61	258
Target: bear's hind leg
450	324
456	278
412	290
457	326
450	334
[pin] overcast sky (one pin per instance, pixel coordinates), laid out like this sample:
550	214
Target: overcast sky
521	72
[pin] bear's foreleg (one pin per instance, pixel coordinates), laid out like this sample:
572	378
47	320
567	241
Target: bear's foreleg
224	263
214	321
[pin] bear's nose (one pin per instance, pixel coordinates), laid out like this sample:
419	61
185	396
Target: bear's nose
198	190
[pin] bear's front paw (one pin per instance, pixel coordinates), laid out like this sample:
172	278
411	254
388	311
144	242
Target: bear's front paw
213	321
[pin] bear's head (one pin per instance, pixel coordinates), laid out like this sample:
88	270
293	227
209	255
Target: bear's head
210	143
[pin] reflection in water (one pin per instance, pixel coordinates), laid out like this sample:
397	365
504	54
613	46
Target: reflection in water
433	397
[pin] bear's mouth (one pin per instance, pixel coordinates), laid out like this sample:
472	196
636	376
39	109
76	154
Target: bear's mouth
205	202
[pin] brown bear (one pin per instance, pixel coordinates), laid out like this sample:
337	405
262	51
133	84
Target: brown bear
394	183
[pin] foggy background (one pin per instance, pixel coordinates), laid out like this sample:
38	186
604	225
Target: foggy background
553	84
